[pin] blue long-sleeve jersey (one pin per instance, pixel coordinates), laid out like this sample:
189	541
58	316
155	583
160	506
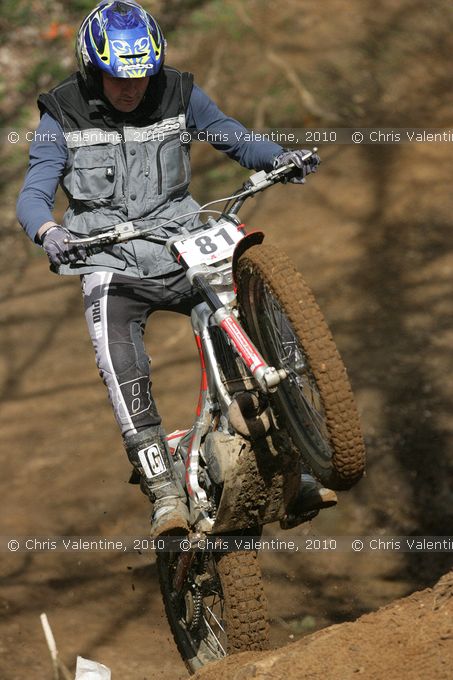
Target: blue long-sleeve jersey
48	156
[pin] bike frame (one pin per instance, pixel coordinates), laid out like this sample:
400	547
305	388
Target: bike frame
217	310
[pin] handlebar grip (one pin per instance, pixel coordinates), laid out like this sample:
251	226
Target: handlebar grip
310	153
284	171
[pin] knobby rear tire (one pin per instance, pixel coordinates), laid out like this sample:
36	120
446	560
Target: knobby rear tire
246	613
241	607
266	277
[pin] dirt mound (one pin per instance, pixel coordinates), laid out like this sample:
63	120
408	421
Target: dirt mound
410	638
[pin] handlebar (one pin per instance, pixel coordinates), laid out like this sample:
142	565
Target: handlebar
127	231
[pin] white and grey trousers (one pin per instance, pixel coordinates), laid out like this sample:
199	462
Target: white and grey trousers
116	309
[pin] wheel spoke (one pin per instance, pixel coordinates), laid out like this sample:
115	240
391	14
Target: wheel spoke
209	640
218	622
300	386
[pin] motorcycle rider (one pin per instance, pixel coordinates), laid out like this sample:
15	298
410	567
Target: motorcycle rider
111	135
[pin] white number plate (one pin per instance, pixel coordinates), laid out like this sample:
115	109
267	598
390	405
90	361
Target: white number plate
212	245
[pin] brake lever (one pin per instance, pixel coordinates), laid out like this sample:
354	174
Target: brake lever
262	180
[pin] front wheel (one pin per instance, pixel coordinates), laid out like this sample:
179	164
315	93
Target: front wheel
315	402
215	604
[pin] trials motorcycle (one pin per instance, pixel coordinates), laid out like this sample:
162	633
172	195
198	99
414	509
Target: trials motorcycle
275	401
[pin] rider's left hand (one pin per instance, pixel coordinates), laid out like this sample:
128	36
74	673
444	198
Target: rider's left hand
296	156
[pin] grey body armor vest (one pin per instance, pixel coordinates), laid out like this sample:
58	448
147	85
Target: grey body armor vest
123	167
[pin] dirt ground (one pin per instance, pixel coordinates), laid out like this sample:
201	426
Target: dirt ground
376	247
414	636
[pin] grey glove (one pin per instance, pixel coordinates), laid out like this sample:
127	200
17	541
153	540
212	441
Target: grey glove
296	156
59	252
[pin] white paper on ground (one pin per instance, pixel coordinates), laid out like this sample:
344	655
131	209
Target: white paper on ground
90	670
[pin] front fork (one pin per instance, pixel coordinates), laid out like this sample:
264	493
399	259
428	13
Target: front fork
267	377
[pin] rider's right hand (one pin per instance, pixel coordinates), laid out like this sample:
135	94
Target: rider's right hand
58	251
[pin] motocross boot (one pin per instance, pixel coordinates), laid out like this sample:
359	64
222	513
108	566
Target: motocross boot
312	498
149	454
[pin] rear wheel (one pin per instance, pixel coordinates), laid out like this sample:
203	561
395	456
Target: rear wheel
315	402
219	609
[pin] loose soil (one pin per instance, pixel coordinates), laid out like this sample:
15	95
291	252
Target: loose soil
410	638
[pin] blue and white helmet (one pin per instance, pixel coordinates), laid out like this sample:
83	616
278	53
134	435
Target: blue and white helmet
121	39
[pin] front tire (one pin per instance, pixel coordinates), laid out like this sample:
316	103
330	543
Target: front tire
315	402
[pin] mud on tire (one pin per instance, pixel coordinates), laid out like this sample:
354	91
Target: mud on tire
328	436
228	613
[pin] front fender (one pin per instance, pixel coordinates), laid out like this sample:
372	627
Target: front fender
254	238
